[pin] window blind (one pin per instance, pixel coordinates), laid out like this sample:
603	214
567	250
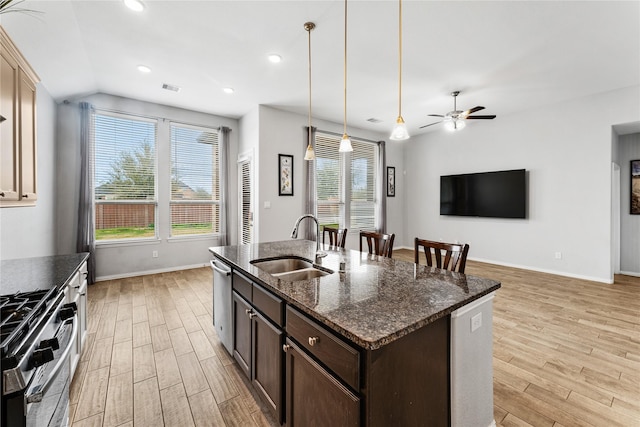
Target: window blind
124	165
364	159
247	214
329	177
195	180
349	202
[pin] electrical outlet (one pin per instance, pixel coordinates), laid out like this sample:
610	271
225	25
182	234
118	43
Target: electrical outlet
155	254
558	255
476	322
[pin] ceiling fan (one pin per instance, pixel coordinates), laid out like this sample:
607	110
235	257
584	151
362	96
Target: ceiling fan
455	120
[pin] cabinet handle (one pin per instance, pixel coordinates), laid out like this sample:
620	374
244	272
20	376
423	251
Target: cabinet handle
2	194
247	311
252	315
313	341
26	196
285	347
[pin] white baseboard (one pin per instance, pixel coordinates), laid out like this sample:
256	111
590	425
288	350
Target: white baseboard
629	273
545	270
541	270
148	272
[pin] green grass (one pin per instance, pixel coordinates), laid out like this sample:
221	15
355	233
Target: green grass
145	232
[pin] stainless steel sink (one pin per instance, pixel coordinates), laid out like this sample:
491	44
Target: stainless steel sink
281	265
291	269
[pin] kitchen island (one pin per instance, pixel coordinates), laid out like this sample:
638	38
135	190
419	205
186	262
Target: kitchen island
371	345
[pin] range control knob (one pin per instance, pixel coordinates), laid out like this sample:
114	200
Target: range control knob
41	356
53	343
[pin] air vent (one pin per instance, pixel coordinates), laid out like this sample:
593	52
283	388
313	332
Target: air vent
374	120
171	87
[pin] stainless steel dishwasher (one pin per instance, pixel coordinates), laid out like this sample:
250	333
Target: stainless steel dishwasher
222	318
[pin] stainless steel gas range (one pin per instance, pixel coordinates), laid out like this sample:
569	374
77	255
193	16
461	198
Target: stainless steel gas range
38	337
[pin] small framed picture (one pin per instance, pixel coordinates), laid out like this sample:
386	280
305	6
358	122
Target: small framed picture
391	181
285	175
635	187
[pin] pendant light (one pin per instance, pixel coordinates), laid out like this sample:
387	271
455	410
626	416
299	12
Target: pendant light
345	143
399	132
309	155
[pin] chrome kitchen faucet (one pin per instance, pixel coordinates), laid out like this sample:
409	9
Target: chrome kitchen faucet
294	235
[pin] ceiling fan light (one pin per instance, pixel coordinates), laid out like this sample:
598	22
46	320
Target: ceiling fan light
345	144
400	132
309	154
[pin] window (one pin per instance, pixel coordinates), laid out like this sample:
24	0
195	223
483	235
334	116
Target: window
125	177
346	183
195	180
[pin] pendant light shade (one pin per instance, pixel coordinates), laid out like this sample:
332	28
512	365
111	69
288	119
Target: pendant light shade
345	143
399	132
309	154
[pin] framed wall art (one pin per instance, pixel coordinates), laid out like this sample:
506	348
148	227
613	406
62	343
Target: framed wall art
635	187
391	181
285	175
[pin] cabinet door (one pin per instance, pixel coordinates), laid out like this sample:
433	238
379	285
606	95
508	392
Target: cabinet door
27	133
242	333
8	131
267	363
314	396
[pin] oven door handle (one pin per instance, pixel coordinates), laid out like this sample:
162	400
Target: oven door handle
36	396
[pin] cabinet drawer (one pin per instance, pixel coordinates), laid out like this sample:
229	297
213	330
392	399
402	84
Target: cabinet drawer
269	304
242	286
334	353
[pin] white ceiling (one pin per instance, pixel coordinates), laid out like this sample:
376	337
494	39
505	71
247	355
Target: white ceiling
509	56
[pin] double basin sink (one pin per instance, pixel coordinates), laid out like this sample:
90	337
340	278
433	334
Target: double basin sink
291	268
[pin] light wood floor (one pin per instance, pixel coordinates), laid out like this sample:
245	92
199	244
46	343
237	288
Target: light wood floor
566	353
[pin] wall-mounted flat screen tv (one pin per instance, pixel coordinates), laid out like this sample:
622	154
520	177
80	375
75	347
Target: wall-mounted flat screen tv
500	194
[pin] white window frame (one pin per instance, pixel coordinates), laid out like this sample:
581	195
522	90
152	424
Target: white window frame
154	202
345	190
195	202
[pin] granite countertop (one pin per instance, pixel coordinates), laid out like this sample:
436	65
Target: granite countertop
375	301
38	273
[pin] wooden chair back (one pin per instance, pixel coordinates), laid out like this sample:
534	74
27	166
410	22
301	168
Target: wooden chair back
337	236
378	243
455	255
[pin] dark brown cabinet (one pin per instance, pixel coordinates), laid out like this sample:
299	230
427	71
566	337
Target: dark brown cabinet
242	333
258	340
314	397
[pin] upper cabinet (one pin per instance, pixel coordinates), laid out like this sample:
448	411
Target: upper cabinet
18	185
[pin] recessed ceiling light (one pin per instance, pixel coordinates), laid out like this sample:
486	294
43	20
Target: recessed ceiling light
135	5
144	69
228	90
274	58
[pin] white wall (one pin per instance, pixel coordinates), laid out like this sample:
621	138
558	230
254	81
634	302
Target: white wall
118	260
566	149
283	132
628	149
31	231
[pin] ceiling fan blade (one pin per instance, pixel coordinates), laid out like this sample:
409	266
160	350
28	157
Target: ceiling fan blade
474	109
435	115
482	117
430	124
